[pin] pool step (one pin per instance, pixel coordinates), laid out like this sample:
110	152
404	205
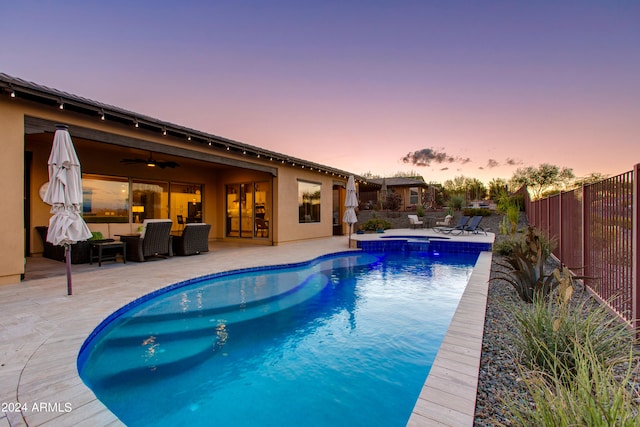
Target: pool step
171	345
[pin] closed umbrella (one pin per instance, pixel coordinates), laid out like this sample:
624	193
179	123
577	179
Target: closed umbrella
350	203
383	194
64	194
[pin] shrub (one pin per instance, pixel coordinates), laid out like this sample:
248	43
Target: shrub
477	211
457	202
594	396
376	223
551	333
392	202
96	235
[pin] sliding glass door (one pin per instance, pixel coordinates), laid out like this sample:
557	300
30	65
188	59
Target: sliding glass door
248	207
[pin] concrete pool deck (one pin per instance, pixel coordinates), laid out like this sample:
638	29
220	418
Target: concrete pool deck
42	329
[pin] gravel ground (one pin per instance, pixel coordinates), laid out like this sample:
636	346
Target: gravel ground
499	375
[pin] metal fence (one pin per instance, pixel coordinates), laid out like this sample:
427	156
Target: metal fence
596	231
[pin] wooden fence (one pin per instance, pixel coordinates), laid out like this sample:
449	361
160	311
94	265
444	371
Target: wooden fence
597	235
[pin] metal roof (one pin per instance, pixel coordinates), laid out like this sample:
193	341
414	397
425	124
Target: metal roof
54	98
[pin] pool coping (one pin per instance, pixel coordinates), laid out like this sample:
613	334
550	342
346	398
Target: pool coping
448	397
42	330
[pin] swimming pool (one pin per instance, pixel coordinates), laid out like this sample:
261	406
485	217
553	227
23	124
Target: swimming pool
342	340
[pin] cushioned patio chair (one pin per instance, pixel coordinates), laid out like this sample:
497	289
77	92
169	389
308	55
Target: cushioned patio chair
446	222
474	225
154	241
414	222
458	229
193	240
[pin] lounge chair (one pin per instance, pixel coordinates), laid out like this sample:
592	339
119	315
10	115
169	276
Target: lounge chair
474	225
154	241
414	222
193	240
458	229
446	222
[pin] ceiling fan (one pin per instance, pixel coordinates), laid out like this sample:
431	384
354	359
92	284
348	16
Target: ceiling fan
151	162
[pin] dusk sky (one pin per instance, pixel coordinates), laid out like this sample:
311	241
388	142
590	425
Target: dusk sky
443	88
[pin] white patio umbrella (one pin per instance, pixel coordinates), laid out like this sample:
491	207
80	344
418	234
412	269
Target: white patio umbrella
350	203
64	194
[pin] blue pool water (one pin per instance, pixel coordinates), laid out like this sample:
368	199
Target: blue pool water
343	340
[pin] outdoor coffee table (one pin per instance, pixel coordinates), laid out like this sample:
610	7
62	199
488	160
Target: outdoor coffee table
112	250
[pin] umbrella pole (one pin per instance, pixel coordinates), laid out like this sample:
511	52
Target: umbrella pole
67	249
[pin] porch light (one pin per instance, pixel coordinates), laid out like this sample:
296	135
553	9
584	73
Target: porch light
61	106
164	131
102	117
136	124
189	138
13	93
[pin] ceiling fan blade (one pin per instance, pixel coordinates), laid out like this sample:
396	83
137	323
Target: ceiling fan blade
132	161
167	164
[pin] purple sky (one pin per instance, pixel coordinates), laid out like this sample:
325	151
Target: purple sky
475	88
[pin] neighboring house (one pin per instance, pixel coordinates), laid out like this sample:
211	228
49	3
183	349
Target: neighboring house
413	192
137	167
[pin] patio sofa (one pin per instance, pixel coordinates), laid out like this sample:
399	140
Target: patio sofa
193	240
79	251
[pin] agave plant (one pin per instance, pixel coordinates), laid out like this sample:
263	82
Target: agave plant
527	268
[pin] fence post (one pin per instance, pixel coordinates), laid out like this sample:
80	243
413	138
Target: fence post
560	236
635	237
586	226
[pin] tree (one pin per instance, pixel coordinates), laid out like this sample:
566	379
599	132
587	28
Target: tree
496	187
543	178
476	188
455	185
592	178
472	187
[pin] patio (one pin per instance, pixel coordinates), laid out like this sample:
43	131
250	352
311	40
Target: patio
42	329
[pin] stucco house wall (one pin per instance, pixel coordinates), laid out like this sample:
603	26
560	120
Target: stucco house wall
28	125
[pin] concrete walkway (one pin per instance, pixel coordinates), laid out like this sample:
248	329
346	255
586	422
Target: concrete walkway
42	329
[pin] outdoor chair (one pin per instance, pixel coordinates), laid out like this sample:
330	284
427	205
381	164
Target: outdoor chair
262	227
414	222
446	222
154	241
474	225
193	240
458	229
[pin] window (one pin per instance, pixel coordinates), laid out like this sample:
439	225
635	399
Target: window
105	199
186	203
309	201
149	200
413	197
117	199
